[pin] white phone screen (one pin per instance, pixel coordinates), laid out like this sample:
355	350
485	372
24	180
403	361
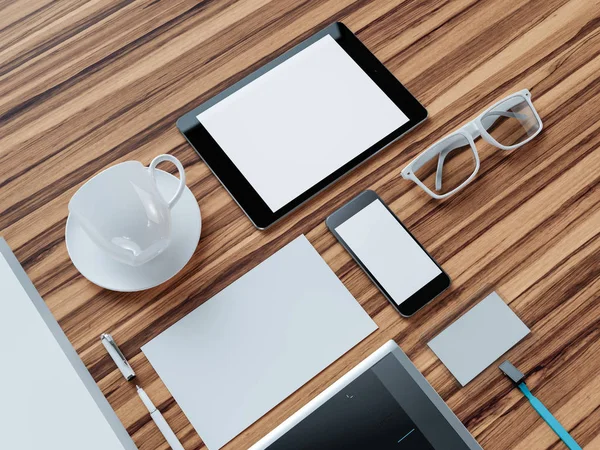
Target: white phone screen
388	251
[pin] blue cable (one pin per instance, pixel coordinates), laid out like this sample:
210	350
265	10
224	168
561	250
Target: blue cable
549	418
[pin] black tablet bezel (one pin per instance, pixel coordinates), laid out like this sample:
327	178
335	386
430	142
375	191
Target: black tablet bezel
420	298
230	176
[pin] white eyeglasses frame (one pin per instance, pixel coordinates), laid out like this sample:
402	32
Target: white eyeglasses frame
470	131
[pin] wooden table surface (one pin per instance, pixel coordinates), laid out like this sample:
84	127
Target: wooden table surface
87	84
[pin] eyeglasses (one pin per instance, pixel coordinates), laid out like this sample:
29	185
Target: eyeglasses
451	163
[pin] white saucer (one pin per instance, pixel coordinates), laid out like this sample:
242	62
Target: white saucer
103	270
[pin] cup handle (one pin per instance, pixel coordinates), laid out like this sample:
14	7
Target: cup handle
170	158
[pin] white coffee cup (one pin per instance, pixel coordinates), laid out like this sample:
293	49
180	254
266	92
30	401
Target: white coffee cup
123	212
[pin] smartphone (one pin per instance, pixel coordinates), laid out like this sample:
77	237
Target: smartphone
384	248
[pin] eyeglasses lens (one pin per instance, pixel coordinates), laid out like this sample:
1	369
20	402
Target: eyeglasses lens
511	122
450	165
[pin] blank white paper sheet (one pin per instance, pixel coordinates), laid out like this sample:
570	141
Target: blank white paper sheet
249	347
478	338
301	121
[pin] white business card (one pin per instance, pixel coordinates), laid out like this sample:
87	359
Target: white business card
478	338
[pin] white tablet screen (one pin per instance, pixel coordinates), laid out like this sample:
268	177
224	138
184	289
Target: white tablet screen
388	251
301	121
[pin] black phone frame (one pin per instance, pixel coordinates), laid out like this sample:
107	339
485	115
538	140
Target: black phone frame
406	307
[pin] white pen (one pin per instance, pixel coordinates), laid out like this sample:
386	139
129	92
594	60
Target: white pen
160	421
117	356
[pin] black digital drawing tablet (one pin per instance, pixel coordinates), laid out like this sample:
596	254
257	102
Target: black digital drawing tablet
383	403
288	130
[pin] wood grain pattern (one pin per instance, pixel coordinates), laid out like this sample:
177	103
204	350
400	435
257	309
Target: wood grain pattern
86	84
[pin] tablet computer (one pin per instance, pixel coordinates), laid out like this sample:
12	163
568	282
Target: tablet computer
383	403
286	131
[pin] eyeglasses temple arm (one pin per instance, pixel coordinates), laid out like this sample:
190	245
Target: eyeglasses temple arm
440	169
